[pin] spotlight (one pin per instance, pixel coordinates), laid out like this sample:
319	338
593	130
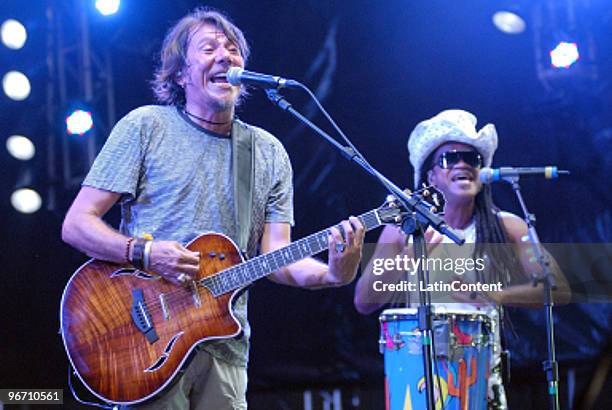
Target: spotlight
16	85
564	55
79	122
13	34
107	7
509	22
20	147
26	200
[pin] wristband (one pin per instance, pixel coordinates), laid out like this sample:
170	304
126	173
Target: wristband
138	253
146	257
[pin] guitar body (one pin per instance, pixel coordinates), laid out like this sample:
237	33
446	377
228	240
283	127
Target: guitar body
107	307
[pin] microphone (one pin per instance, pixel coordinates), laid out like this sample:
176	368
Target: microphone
238	76
489	175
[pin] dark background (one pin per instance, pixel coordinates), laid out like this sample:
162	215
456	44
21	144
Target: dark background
379	68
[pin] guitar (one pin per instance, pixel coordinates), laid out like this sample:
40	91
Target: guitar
128	332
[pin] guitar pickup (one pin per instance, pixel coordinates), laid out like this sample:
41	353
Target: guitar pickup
141	316
164	306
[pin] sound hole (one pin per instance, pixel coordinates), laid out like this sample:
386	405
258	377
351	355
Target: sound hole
162	359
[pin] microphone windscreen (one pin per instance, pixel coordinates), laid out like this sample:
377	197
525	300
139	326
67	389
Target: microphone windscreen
487	175
233	75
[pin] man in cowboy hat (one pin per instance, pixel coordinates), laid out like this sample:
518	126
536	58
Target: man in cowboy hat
447	152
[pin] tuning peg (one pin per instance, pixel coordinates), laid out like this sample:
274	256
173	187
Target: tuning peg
391	201
436	199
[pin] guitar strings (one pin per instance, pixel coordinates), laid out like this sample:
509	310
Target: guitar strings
173	297
155	305
178	294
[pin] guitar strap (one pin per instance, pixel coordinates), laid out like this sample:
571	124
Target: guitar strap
243	170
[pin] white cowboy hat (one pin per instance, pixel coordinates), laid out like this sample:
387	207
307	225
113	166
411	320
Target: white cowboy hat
449	126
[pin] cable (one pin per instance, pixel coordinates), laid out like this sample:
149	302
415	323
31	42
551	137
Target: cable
433	338
87	403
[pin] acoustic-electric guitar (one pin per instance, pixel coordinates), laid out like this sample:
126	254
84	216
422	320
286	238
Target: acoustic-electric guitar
128	332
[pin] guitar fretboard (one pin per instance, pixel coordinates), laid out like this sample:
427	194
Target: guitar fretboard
243	274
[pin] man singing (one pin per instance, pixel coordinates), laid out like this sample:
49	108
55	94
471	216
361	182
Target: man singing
173	169
447	151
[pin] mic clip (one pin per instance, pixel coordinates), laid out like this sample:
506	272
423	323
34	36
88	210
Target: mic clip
278	99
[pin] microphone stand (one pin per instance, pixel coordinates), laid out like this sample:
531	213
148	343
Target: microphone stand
416	222
416	227
414	205
550	366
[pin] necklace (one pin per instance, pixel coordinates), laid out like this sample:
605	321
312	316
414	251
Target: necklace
205	120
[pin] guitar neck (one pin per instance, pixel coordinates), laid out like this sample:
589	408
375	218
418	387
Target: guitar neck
243	274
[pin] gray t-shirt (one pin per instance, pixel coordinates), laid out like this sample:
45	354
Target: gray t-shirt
175	178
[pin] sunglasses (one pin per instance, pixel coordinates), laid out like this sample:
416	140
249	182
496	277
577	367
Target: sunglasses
449	158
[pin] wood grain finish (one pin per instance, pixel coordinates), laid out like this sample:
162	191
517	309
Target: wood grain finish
105	347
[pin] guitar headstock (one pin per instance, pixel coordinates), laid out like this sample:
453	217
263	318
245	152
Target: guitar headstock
433	197
391	211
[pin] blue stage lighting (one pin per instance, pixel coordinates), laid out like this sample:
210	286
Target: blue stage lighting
108	7
79	122
564	55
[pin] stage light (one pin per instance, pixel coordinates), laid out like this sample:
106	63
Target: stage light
564	55
20	147
13	34
79	122
509	22
26	200
107	7
16	85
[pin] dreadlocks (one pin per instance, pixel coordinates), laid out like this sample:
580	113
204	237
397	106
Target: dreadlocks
490	234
